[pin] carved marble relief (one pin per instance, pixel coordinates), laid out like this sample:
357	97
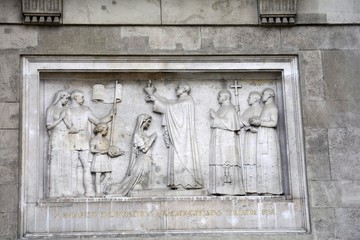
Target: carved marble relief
179	125
242	145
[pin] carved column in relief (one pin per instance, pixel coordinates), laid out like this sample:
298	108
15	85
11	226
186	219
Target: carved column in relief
225	161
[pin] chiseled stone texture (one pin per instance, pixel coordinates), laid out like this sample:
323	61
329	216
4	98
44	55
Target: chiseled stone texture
323	223
18	37
323	193
341	74
9	78
317	154
111	12
328	11
311	75
209	12
8	225
9	147
349	193
347	223
9	115
10	11
317	37
344	153
240	38
161	38
8	198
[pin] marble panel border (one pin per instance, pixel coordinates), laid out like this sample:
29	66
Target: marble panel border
31	190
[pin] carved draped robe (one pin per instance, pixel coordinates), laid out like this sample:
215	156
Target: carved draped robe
268	154
183	160
225	160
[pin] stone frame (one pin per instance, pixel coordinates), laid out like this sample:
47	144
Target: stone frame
31	192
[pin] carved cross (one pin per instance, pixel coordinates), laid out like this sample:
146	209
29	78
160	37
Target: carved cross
236	87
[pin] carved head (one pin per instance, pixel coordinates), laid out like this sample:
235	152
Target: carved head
101	128
78	96
267	94
143	121
224	96
254	97
61	96
182	88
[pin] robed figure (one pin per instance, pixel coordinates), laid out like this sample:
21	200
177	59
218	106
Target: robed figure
225	162
268	147
138	174
250	138
179	123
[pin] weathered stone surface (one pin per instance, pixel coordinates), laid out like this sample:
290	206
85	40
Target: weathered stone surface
350	193
9	115
328	11
8	198
8	225
344	153
311	75
326	114
111	12
347	223
240	38
17	37
323	223
341	74
209	12
323	193
8	147
10	11
9	78
317	154
161	38
8	174
315	37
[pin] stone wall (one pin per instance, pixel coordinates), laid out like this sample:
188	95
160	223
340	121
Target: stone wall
329	57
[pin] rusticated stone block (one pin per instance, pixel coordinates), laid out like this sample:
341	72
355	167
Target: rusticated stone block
112	12
209	12
341	74
323	193
8	147
347	223
323	223
8	198
164	38
315	37
18	37
9	78
311	74
344	153
317	154
241	38
9	115
8	225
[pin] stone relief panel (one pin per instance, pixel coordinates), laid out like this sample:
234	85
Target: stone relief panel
162	145
234	150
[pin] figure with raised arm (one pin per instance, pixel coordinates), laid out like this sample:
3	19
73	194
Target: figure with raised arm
179	124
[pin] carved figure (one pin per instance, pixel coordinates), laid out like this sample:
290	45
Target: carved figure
102	150
179	122
250	141
225	161
138	174
60	172
268	147
80	117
